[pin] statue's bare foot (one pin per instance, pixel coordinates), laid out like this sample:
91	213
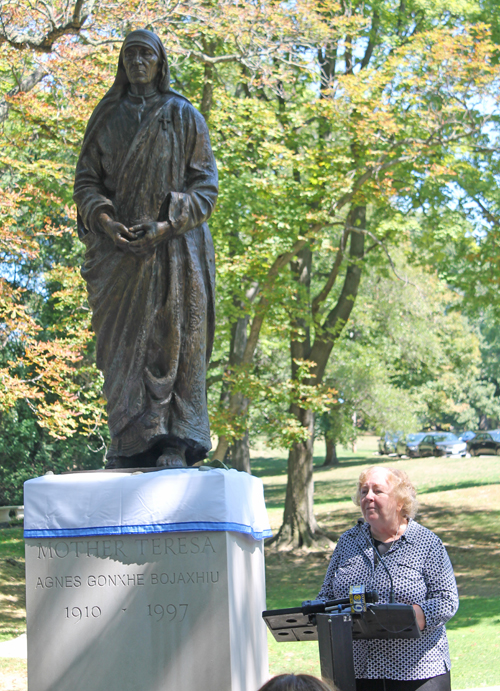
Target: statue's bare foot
171	458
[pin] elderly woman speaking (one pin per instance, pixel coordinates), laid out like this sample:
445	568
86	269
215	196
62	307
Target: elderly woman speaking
391	541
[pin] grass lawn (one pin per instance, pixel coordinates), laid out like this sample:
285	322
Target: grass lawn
460	501
12	605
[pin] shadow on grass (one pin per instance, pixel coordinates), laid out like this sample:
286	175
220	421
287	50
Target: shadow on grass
275	496
292	578
472	539
12	583
268	467
474	611
466	484
344	489
481	525
11	542
13	601
352	462
336	491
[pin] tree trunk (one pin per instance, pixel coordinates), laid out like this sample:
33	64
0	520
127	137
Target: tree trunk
208	91
331	454
222	448
25	85
239	449
240	454
337	318
208	80
234	400
299	528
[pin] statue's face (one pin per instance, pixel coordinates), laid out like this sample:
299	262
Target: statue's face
141	64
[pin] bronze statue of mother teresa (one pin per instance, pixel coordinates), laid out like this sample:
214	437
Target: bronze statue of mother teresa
145	185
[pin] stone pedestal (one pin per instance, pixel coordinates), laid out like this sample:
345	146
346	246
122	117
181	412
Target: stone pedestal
164	611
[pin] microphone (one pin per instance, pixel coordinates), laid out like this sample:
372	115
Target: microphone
320	606
381	558
359	596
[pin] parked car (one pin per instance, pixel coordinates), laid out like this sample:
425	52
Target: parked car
408	445
442	444
485	443
387	443
467	436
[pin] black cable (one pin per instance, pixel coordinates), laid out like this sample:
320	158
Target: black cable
381	558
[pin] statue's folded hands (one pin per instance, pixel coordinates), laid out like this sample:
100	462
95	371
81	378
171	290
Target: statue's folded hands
147	236
120	235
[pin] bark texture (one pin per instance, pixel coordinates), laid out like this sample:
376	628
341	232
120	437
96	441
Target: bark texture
299	528
238	452
331	454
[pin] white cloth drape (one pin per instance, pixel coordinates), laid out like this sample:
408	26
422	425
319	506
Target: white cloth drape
155	502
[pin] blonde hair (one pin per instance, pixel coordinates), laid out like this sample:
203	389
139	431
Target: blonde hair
401	485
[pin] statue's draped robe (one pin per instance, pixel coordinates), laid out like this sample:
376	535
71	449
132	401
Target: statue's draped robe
148	159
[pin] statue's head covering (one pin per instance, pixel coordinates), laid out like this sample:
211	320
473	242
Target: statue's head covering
121	84
147	38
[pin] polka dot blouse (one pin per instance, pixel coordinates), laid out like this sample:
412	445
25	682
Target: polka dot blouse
422	574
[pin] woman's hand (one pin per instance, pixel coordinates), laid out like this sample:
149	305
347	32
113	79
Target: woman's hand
419	613
121	236
146	236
